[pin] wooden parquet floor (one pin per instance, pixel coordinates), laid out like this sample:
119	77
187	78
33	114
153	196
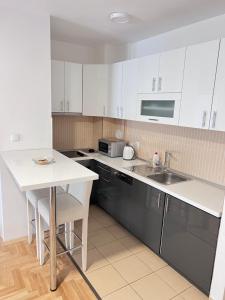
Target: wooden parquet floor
22	278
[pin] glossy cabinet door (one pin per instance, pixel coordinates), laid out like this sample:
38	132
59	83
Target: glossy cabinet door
146	214
73	87
148	72
58	86
189	241
115	103
217	121
171	71
129	90
198	85
95	89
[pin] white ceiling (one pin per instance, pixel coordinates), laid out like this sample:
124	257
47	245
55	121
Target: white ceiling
87	22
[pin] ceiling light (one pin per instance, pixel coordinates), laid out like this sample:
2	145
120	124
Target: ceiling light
119	17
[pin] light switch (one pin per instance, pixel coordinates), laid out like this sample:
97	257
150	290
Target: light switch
15	137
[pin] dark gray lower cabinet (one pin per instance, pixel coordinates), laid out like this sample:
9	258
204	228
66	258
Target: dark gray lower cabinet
134	204
189	241
183	235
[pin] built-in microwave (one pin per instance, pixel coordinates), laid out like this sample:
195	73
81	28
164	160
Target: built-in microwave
159	108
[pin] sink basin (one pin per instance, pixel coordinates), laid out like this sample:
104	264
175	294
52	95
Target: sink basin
167	178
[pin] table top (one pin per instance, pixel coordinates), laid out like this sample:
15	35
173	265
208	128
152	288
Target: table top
30	176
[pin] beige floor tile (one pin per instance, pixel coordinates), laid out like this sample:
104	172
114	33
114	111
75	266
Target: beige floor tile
114	251
174	279
133	244
96	211
132	268
106	280
125	293
101	237
95	260
118	231
105	220
193	294
178	298
93	225
151	260
152	287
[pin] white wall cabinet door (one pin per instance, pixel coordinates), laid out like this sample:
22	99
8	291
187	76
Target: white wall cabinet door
130	85
115	103
198	84
148	71
171	69
95	89
73	87
217	121
58	87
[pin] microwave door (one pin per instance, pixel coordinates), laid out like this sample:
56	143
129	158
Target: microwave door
103	147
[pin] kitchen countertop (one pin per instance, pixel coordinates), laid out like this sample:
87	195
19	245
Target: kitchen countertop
205	196
30	176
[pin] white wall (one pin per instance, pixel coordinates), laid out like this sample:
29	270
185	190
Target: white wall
76	53
25	102
195	33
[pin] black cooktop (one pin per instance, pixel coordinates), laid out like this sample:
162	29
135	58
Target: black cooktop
76	153
72	153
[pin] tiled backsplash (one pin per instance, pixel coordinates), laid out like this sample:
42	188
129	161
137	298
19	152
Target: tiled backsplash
197	152
73	132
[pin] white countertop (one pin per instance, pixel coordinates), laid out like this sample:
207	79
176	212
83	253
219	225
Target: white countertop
202	195
29	175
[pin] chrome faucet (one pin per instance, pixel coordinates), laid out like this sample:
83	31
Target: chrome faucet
168	156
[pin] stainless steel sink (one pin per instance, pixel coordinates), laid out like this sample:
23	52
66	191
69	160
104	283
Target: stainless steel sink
167	177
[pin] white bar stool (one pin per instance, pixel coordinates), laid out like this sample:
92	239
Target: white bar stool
70	207
32	212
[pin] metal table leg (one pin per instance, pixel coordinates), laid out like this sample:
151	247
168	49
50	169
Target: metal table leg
53	278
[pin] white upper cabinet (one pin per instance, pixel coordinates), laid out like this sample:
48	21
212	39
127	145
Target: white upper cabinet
130	84
161	73
66	87
171	71
148	72
218	108
198	84
73	87
95	89
115	107
58	87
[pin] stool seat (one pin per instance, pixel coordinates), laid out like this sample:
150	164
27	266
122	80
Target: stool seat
68	209
36	195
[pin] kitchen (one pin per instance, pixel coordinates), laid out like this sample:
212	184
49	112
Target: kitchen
156	221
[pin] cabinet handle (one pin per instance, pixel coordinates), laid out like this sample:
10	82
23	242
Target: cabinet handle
156	120
104	179
153	84
68	106
118	111
158	201
103	169
204	118
167	204
121	111
61	105
214	119
103	110
160	84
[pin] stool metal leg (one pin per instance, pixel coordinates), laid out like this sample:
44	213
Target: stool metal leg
53	278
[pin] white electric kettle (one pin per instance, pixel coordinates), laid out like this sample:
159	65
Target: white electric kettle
128	153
